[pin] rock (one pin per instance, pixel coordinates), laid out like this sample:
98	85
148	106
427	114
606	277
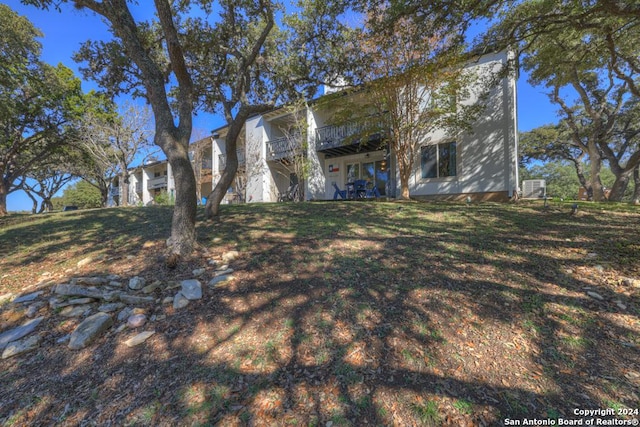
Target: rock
136	283
80	301
167	300
223	272
152	287
139	339
22	346
89	330
28	297
19	332
124	314
84	261
592	255
81	291
220	279
620	305
212	262
595	295
91	281
112	306
158	318
628	281
230	256
34	308
136	320
75	310
115	284
198	272
222	267
112	277
599	268
135	300
63	339
191	289
179	301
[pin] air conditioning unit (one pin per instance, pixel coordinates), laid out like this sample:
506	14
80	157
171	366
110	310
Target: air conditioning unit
534	188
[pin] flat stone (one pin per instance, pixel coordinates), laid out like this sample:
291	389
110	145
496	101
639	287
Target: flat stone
87	331
124	314
74	310
220	279
167	300
21	346
68	289
198	272
80	301
115	284
620	305
191	289
136	320
28	297
136	283
63	339
595	295
33	309
19	332
139	339
135	300
179	301
112	306
152	287
223	272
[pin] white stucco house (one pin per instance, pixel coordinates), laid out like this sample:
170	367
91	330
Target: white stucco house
481	164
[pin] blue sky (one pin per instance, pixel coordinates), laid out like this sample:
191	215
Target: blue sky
64	33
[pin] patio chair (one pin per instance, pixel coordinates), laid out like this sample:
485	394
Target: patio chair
339	192
360	187
290	195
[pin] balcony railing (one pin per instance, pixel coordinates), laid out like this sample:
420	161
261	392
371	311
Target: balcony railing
207	164
353	133
285	147
159	182
222	159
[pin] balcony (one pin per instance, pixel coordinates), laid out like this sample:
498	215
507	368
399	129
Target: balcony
222	159
349	138
207	164
284	148
159	182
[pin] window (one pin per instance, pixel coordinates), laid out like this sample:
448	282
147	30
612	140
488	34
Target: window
438	161
353	172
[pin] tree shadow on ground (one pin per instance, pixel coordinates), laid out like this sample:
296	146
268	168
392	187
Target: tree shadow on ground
360	314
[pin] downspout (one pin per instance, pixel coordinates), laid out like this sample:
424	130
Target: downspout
513	77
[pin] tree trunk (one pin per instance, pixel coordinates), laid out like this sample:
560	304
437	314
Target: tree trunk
183	223
635	199
620	186
3	198
404	171
212	208
124	196
596	183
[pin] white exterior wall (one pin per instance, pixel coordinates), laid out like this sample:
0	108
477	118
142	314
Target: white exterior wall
316	182
259	181
487	158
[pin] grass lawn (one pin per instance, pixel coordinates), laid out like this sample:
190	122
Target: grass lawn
338	314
